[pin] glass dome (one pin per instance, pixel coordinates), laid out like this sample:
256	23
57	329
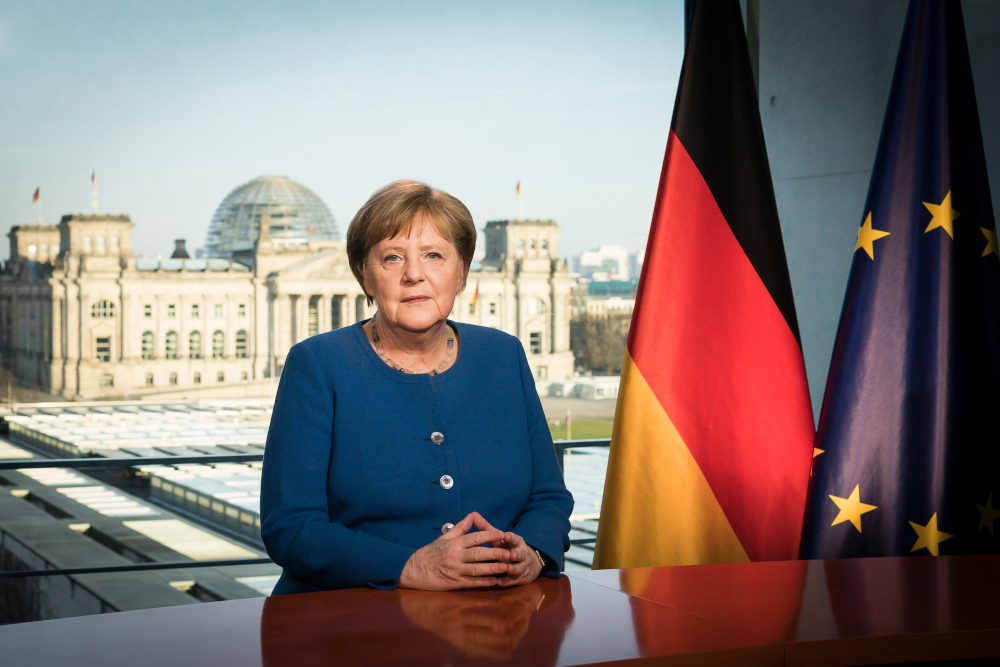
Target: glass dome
297	216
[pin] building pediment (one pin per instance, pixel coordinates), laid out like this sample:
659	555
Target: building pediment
328	264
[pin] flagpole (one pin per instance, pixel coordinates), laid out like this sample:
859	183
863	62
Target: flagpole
38	200
93	180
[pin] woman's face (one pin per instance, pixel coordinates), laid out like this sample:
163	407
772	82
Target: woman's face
414	278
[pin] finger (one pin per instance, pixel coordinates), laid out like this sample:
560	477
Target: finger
485	553
518	569
480	522
517	555
482	569
461	528
513	539
479	582
481	537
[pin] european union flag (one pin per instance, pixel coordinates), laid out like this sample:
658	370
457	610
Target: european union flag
906	457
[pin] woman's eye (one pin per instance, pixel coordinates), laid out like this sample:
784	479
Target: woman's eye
391	258
434	255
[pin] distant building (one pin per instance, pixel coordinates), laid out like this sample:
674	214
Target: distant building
612	305
609	262
81	316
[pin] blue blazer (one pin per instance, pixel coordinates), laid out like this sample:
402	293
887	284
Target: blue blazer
352	482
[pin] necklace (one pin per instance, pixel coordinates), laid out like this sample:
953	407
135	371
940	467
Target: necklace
386	359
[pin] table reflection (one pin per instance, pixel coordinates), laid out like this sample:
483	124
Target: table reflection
489	626
419	627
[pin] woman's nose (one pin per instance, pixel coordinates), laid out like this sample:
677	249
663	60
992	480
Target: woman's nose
413	272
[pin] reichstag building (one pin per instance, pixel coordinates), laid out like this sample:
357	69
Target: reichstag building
81	316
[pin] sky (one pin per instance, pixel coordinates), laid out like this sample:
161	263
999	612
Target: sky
176	104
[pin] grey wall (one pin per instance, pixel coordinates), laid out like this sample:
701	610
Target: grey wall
824	75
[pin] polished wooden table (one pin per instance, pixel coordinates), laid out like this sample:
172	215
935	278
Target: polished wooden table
843	612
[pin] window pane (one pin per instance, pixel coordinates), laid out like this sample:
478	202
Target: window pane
194	345
103	348
147	345
535	342
218	345
314	316
171	345
218	310
102	308
241	344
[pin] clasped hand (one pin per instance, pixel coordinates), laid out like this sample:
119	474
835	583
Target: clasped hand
460	559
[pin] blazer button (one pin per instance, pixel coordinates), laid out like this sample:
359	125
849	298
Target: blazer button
446	482
446	527
437	437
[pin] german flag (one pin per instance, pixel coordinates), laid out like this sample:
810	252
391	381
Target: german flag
713	433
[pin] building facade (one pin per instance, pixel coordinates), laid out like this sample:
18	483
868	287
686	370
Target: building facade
81	316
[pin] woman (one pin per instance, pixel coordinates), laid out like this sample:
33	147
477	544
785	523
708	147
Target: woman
409	450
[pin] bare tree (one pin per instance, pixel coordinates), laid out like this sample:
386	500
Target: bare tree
598	342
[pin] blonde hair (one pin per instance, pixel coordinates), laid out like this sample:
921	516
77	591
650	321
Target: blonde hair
393	210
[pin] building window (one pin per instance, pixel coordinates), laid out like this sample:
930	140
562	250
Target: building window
147	345
149	379
472	309
102	308
194	310
545	244
194	345
114	242
171	351
243	375
106	380
543	372
536	306
173	378
218	345
100	244
32	249
218	310
44	249
221	377
197	378
241	344
493	307
532	244
147	310
359	308
171	310
535	342
520	244
103	348
86	243
313	315
336	307
55	249
241	310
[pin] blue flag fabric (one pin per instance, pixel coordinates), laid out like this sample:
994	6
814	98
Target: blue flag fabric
906	458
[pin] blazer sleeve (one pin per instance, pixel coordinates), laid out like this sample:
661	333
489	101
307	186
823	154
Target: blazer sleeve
544	522
295	519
